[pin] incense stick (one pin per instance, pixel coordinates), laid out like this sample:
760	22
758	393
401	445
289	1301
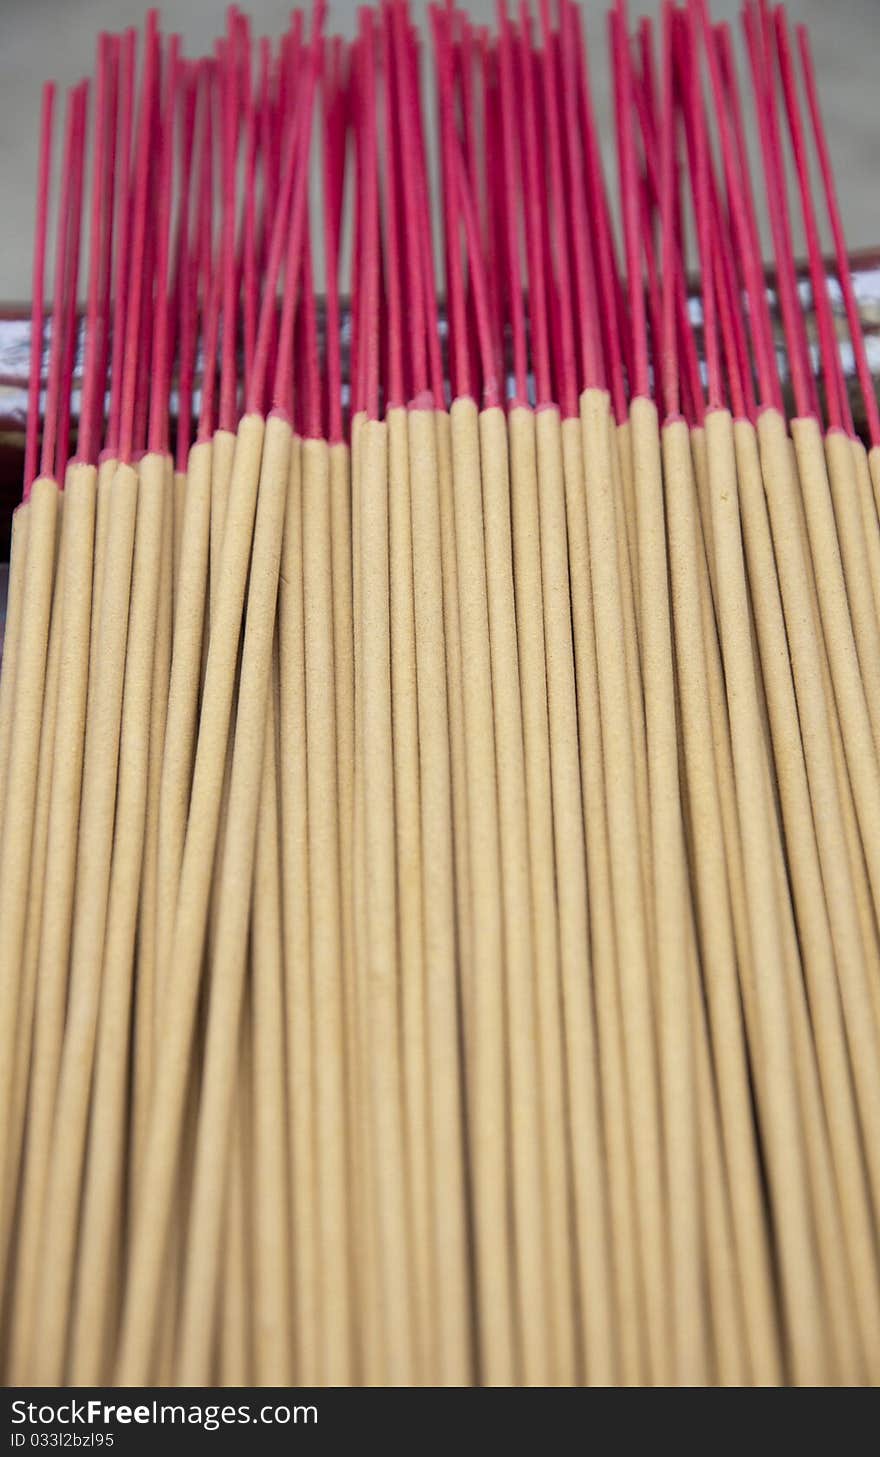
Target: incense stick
440	882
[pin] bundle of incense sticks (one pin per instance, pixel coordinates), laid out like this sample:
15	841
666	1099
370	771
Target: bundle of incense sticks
440	784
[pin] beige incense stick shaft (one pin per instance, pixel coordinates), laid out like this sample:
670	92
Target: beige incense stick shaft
718	947
163	1141
104	1182
407	834
148	966
849	689
530	1240
79	526
626	871
855	849
106	475
16	827
224	447
486	1055
31	944
272	1331
726	1316
343	565
235	1296
700	453
234	900
380	967
370	1351
178	493
870	521
452	630
852	980
526	535
874	469
621	459
443	990
846	1358
672	902
335	1354
720	734
622	1231
293	775
785	1149
628	509
104	929
815	932
849	520
343	660
12	628
183	696
590	1216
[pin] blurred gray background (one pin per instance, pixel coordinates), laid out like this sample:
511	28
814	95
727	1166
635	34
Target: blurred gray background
41	39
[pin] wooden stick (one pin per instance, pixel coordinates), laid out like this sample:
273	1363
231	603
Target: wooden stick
725	1315
635	689
535	1332
626	872
230	954
160	1155
223	452
818	750
380	974
814	930
488	1118
443	985
784	1133
234	1364
336	1332
859	743
870	520
11	633
545	928
603	951
31	945
89	921
718	946
29	669
874	468
107	1130
147	983
454	662
408	849
343	660
272	1328
672	904
79	516
107	468
183	694
851	536
293	776
364	1236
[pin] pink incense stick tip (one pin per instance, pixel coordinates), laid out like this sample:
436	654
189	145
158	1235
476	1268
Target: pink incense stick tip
532	202
866	382
491	392
161	363
192	187
97	224
629	192
38	285
134	355
51	431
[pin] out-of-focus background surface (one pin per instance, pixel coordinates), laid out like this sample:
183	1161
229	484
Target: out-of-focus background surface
42	39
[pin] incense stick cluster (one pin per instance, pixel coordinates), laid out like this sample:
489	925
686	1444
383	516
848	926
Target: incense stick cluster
440	758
